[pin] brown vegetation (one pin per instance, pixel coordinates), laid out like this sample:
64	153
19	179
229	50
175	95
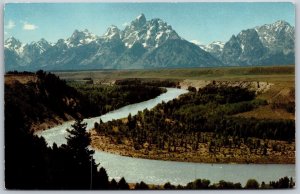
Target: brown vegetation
277	152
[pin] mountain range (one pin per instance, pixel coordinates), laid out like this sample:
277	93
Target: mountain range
152	44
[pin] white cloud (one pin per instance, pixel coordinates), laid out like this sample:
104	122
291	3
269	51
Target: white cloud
197	42
11	24
28	26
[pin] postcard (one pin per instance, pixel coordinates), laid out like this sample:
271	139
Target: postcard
153	95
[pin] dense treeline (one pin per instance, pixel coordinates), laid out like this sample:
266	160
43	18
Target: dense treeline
72	166
104	98
148	82
282	183
29	162
44	99
49	98
20	72
251	184
203	116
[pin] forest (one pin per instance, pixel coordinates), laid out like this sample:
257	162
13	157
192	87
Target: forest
102	98
204	118
46	97
32	164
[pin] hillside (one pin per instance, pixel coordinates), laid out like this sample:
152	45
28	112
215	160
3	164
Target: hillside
43	99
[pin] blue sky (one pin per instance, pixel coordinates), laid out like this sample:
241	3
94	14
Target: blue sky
205	22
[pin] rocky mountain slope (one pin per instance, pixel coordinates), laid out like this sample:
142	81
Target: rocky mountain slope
142	44
270	44
145	44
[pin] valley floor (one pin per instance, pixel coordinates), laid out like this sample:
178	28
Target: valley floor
278	83
276	88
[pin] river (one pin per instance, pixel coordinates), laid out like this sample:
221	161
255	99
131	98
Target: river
160	172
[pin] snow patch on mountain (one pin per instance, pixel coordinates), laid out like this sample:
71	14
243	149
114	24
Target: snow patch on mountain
113	32
14	45
79	38
153	43
150	34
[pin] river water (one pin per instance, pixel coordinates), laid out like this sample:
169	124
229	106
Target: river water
159	172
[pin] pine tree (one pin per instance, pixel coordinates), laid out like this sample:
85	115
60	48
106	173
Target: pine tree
79	140
122	184
113	184
102	181
83	169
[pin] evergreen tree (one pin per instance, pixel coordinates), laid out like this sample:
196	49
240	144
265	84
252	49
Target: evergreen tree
82	168
122	184
102	180
113	184
141	186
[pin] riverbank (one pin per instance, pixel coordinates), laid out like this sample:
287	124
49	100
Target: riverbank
49	123
241	155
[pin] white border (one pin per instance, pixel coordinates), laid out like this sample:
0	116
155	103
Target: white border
297	44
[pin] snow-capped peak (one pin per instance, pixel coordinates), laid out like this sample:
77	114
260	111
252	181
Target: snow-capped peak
270	33
276	26
215	46
14	45
80	38
141	17
112	32
42	45
139	21
148	33
280	23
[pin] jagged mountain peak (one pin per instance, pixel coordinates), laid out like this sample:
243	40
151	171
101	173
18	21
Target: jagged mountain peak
139	21
12	42
247	31
281	23
42	45
61	43
276	26
141	17
42	41
113	32
152	43
215	48
277	35
80	38
11	39
263	45
150	34
14	45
